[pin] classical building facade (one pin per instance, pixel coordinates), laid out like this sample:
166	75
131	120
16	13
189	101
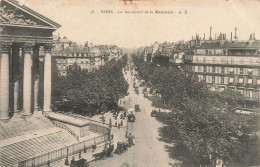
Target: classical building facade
23	32
228	65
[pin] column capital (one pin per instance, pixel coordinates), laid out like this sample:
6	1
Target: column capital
6	47
28	47
48	47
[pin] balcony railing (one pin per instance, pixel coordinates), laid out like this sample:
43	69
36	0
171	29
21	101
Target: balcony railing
226	62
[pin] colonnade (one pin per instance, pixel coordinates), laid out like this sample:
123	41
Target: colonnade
27	56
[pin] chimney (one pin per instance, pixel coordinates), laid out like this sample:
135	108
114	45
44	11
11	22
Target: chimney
210	33
235	32
231	37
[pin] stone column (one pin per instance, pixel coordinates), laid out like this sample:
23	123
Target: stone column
47	78
16	73
27	79
36	77
4	80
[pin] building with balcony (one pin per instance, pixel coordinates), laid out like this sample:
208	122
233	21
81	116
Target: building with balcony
228	65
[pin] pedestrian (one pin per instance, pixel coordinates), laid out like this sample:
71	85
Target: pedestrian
86	164
85	149
67	161
72	162
159	109
79	154
48	163
112	136
116	124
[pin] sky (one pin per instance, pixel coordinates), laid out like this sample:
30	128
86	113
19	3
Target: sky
135	30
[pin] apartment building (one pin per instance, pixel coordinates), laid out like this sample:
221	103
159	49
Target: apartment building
226	64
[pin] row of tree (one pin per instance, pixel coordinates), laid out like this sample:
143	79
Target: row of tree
90	92
207	120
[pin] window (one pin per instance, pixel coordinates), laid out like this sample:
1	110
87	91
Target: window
231	70
221	89
231	80
250	71
249	93
241	71
258	81
249	81
199	69
241	91
207	52
257	94
204	69
204	77
240	80
213	79
222	69
222	80
204	59
213	69
197	59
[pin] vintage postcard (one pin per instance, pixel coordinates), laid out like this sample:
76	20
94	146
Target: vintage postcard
129	83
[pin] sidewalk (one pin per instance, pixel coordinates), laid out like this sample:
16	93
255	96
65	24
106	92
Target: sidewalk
88	156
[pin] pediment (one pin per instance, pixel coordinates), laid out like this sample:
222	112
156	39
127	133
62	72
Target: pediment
14	14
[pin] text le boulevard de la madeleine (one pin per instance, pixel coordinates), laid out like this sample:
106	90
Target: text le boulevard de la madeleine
139	11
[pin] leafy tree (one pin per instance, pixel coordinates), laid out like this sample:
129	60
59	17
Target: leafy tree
207	120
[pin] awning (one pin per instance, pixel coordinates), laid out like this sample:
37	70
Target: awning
231	80
249	81
240	80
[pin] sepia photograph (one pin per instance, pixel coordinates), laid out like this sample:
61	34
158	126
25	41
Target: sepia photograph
129	83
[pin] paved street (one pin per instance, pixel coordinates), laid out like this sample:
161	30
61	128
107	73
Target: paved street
148	150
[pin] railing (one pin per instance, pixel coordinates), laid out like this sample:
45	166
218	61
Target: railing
62	153
61	125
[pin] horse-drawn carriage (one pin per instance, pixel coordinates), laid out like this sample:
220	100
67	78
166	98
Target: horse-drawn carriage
121	147
105	153
80	163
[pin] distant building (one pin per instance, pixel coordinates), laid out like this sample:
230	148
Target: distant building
226	64
66	53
